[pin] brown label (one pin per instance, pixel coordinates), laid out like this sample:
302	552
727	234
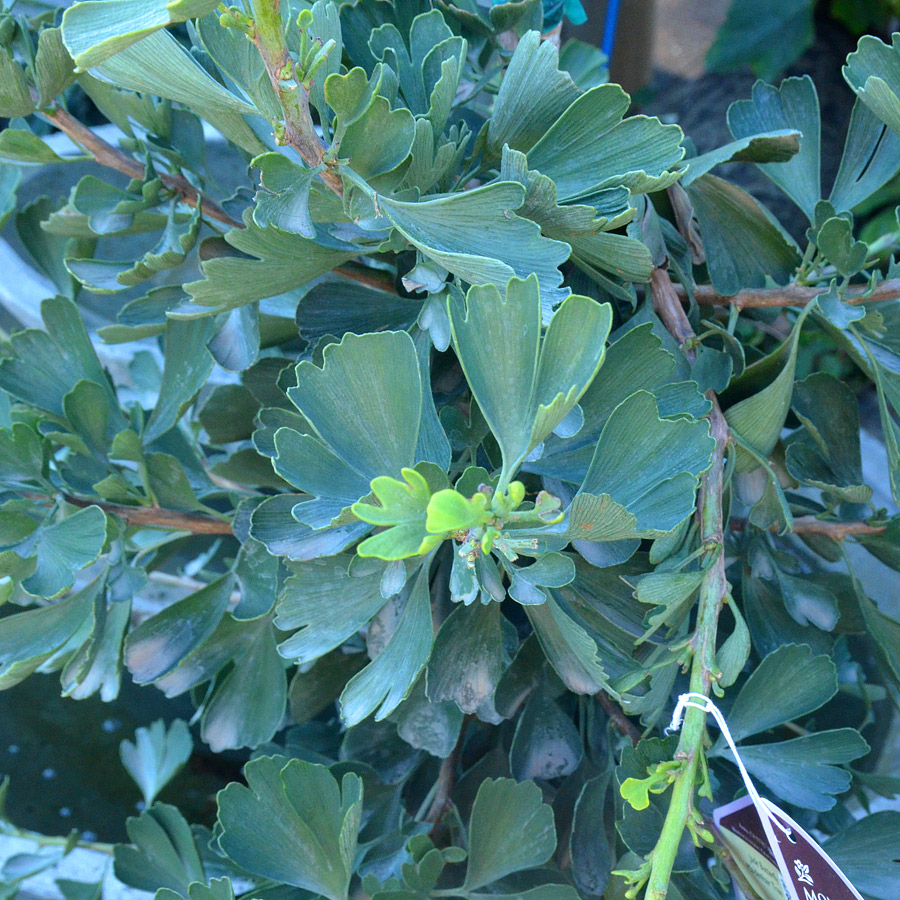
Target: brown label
806	871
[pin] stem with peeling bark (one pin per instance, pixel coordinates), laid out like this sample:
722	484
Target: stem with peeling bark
156	517
837	531
791	295
713	591
299	131
111	157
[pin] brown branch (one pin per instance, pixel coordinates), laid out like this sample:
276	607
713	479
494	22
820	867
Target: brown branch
620	721
446	780
299	131
792	295
811	525
111	157
155	517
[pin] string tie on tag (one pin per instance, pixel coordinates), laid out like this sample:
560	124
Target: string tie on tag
702	702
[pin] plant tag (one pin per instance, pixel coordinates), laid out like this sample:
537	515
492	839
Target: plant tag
775	857
797	868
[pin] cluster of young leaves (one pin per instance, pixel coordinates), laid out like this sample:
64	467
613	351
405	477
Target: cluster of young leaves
419	454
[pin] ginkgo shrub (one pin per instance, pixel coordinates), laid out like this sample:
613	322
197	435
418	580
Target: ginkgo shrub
478	424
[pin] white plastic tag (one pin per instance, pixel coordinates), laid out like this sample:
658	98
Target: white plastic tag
776	858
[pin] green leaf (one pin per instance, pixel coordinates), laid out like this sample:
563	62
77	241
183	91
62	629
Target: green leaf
826	454
386	681
805	771
533	95
526	386
327	604
21	454
365	406
282	262
511	829
789	683
164	854
868	162
15	97
868	852
429	726
157	64
448	511
246	706
10	177
873	72
156	756
62	549
744	247
96	666
46	364
403	509
794	105
177	239
758	420
835	240
156	646
647	465
767	35
97	29
188	363
775	146
553	570
591	147
467	658
294	824
477	236
570	649
20	146
283	201
29	638
53	67
546	744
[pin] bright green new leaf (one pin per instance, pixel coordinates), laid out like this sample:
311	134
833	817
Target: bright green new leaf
403	509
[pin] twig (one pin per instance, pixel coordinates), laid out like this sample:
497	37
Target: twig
622	723
299	131
156	517
107	155
446	781
791	295
713	590
812	525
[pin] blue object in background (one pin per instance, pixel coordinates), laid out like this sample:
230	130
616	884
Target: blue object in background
609	27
